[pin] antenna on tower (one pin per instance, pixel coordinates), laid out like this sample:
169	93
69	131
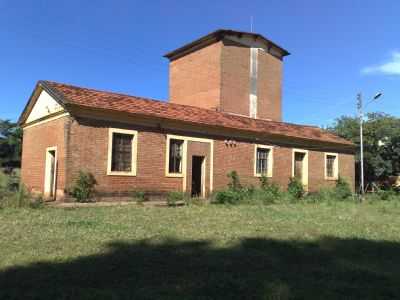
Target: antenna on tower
251	23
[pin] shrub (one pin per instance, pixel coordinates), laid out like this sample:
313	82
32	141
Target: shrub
270	189
4	182
37	203
234	183
342	190
14	180
325	194
22	197
387	195
295	188
235	192
9	184
14	194
174	197
228	197
16	199
139	197
84	187
264	182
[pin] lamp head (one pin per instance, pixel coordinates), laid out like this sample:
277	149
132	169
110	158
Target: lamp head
378	95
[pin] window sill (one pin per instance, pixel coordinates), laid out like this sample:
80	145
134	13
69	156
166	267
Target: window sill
261	175
121	174
175	175
331	178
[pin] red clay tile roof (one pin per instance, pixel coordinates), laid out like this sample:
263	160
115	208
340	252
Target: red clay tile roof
198	116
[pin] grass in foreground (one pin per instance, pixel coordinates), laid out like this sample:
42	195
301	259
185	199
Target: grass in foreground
310	251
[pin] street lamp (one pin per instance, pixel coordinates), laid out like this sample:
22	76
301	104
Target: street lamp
360	108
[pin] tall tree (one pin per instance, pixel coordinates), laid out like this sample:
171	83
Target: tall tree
381	142
10	144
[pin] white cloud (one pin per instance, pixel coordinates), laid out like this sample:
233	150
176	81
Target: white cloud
391	67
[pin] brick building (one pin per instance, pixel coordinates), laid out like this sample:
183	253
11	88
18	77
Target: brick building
224	114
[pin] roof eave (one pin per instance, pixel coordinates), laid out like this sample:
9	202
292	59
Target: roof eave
215	37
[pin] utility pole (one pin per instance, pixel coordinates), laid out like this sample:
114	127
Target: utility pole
360	108
361	116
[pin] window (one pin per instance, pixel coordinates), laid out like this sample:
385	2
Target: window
263	161
331	166
298	165
122	152
175	156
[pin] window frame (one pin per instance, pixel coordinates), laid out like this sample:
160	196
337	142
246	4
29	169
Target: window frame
335	166
167	156
270	158
133	171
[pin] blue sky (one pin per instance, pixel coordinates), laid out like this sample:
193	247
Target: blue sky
338	48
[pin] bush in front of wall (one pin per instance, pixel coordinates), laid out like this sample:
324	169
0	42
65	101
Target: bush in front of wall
270	190
174	197
84	187
37	202
228	197
295	188
340	192
343	190
139	197
235	193
234	183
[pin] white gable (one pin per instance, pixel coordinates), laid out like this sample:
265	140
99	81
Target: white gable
45	105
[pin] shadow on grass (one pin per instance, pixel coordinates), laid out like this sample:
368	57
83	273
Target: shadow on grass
329	268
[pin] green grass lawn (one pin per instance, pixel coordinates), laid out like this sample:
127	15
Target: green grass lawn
298	251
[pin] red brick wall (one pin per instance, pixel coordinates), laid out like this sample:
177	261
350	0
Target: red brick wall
218	76
346	168
89	152
241	159
35	141
195	79
235	87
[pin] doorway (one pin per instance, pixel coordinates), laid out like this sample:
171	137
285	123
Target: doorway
198	189
300	166
50	173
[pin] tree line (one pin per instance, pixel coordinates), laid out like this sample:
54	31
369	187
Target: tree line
10	144
381	144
